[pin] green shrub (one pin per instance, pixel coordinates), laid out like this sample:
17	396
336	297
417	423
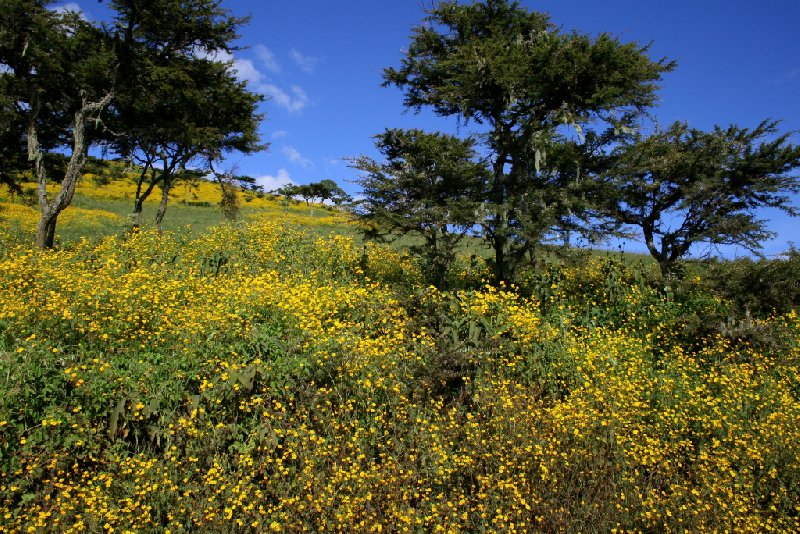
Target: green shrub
762	287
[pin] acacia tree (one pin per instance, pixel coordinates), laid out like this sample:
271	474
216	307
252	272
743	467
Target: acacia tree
330	190
57	79
322	191
430	186
309	192
684	186
179	107
519	76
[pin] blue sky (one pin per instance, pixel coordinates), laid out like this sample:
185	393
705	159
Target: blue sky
320	64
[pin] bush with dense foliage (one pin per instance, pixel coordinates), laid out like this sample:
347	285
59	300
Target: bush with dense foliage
760	287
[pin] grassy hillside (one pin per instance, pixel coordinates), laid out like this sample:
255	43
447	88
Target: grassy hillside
103	204
275	375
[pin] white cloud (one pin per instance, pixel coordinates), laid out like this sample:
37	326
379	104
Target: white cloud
267	58
70	7
333	162
279	134
244	69
294	102
295	156
270	183
306	63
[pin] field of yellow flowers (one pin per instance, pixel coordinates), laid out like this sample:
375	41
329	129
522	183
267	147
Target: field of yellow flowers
261	378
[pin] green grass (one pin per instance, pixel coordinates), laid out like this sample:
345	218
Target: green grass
196	219
188	220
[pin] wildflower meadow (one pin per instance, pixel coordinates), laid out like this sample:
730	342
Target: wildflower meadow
201	330
276	376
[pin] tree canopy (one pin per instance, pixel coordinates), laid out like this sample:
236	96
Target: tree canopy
149	87
430	187
320	191
58	78
684	186
499	65
179	106
555	151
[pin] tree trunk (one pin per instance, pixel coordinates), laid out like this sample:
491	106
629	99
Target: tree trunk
437	259
499	234
502	270
136	216
138	202
46	231
162	176
504	261
51	208
660	256
162	207
443	272
666	270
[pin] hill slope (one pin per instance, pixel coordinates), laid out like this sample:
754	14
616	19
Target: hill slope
263	376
